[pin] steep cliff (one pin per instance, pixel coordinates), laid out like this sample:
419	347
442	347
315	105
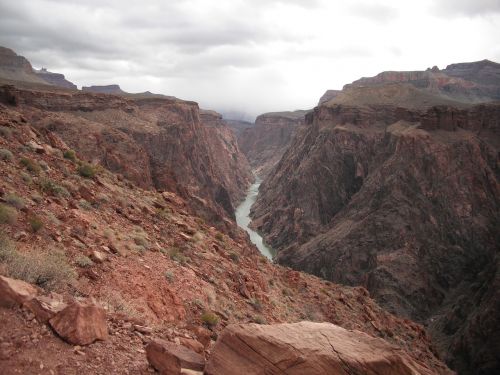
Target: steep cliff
56	79
267	140
155	142
402	198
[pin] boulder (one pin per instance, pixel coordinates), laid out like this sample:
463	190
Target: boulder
169	358
44	307
98	256
306	348
15	292
192	344
81	324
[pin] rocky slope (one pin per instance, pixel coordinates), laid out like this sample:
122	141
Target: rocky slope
396	188
135	259
238	126
265	142
107	89
157	143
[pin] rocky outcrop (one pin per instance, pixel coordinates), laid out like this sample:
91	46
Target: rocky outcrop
15	292
169	358
159	143
402	201
307	348
17	68
267	140
238	126
80	324
56	79
329	95
106	89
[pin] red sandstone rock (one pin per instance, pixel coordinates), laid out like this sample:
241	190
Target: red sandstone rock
306	348
81	324
192	344
15	292
169	358
45	307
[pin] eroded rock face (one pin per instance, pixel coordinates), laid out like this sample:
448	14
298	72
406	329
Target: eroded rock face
306	348
267	140
81	324
401	201
56	79
160	143
328	95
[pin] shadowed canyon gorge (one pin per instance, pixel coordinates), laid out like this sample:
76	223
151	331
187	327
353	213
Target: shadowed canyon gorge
124	219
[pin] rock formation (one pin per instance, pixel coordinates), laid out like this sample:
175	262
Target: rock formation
157	143
307	348
267	140
329	95
107	89
56	79
17	68
396	188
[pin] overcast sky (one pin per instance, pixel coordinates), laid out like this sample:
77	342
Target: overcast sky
246	55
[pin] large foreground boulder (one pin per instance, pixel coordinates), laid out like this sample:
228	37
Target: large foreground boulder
81	324
169	358
306	348
15	292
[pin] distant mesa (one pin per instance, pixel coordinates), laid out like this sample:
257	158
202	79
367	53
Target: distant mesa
56	79
106	89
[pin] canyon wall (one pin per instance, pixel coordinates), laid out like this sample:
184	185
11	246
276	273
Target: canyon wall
157	143
402	198
267	140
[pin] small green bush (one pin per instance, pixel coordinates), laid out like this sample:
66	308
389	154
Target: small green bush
70	155
83	261
234	257
256	304
48	186
85	204
35	223
26	178
8	215
7	249
141	241
219	236
87	170
5	132
209	319
15	201
5	154
169	275
31	165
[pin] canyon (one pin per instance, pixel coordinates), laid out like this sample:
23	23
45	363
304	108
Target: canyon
392	185
123	217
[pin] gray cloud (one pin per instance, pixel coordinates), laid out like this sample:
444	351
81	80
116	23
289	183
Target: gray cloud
246	55
469	8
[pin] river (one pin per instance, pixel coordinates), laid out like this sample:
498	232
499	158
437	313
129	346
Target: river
243	219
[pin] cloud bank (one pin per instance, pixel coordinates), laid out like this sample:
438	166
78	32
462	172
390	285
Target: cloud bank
243	55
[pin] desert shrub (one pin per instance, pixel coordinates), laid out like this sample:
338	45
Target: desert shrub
5	132
219	236
256	304
87	170
15	201
169	275
37	198
177	256
7	249
259	319
47	269
26	178
197	237
43	164
35	223
234	257
209	319
141	241
5	154
31	165
164	213
85	204
70	155
8	215
48	186
83	261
